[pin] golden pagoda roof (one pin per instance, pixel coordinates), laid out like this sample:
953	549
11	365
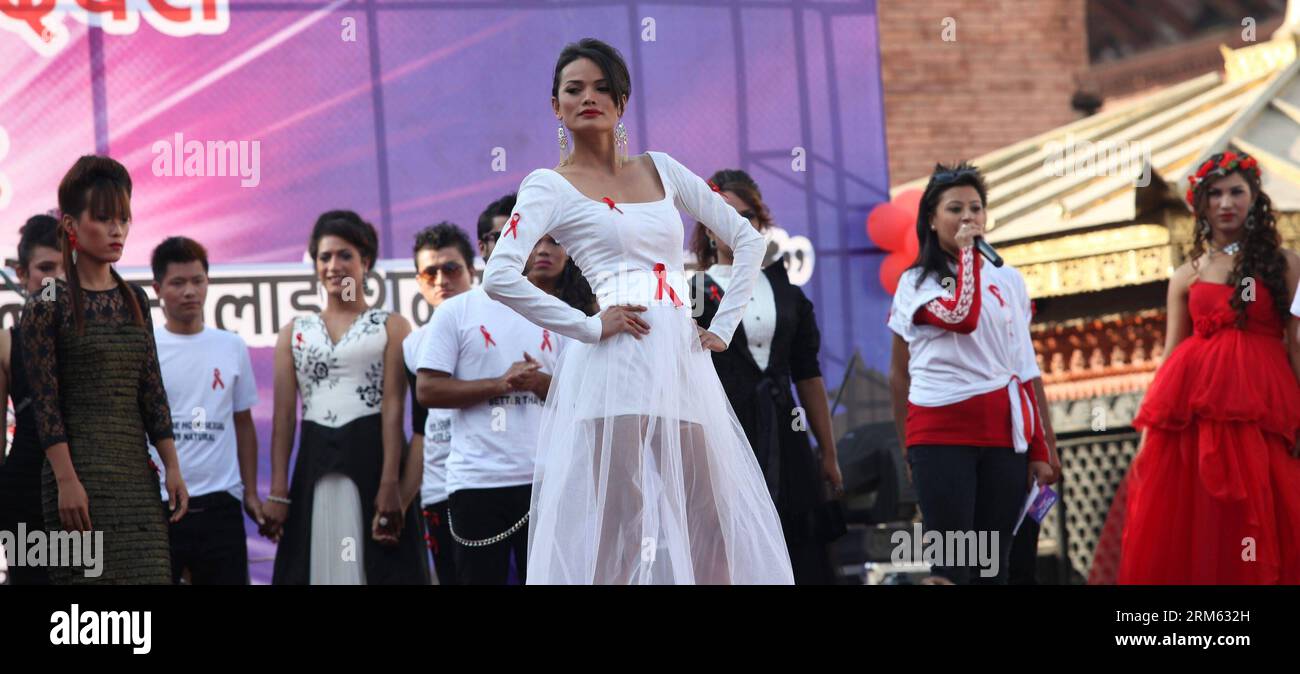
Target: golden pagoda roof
1253	106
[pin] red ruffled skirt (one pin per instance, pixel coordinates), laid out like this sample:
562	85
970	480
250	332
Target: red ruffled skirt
1213	496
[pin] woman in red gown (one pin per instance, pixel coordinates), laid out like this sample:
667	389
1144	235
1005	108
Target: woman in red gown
1213	496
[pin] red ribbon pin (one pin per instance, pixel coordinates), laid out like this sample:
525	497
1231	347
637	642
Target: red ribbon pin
713	292
714	187
998	294
661	273
487	337
299	339
216	379
609	201
513	229
546	341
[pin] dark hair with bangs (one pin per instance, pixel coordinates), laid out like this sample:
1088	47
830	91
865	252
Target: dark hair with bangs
102	186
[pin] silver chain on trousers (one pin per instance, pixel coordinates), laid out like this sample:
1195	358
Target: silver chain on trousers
486	541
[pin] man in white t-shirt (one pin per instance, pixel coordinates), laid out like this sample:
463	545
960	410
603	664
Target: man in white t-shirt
443	259
210	388
492	368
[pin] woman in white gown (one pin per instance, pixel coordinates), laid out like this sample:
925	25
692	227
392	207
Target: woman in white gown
643	474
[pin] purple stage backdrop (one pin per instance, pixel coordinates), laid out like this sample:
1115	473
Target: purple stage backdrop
241	121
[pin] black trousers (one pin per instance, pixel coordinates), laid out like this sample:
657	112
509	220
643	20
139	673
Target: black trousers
209	541
476	514
441	545
1024	554
971	489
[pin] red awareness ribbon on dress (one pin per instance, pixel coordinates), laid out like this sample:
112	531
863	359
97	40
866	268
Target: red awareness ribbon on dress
546	340
299	336
611	204
661	273
513	229
216	379
487	337
997	293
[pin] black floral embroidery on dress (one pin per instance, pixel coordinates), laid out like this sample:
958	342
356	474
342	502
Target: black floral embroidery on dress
368	323
373	392
315	367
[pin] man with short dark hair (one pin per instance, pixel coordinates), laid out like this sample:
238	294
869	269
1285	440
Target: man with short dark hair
490	367
208	376
443	265
491	221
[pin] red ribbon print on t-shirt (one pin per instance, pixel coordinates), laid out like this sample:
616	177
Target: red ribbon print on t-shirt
487	337
546	341
216	379
997	293
513	229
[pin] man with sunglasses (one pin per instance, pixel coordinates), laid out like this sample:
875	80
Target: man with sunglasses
489	367
443	259
490	223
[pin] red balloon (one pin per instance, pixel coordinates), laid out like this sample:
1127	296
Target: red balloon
910	244
910	202
886	225
891	268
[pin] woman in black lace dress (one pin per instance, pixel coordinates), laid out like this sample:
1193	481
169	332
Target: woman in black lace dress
90	359
39	258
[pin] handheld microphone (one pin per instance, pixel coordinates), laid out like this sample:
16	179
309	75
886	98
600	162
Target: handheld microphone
987	251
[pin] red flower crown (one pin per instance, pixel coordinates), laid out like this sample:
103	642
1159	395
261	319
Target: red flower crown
1230	162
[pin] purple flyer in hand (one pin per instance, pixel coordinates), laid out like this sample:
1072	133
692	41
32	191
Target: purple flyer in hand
1046	499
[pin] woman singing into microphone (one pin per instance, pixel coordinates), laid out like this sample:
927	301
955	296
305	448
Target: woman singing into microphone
966	387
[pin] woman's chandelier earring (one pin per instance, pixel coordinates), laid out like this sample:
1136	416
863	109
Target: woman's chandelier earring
620	141
564	142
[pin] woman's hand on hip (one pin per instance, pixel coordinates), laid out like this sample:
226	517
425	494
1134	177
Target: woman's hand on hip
709	340
623	318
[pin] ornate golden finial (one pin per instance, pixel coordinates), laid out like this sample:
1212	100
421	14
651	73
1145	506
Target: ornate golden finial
1261	59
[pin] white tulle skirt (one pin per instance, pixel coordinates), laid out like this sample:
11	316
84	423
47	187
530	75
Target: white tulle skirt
644	475
336	516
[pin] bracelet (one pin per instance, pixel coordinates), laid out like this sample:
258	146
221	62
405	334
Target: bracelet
278	499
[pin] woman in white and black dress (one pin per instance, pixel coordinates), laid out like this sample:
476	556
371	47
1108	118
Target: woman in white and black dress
644	475
776	349
340	521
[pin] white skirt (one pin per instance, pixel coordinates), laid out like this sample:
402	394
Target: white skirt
644	475
337	531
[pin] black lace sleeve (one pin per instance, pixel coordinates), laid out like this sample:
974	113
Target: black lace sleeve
154	410
39	327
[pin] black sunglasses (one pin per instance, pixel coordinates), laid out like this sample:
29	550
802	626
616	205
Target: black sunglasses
430	273
943	177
